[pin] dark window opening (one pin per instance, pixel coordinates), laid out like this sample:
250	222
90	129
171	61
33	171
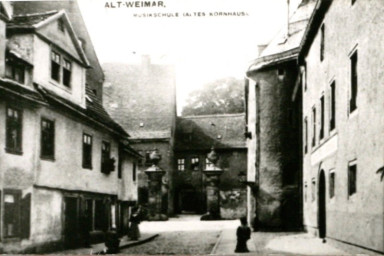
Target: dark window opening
101	218
313	190
60	25
305	135
134	172
332	122
120	163
87	151
67	67
15	71
13	130
322	42
47	138
322	117
55	66
331	184
354	83
304	77
314	127
11	217
305	191
105	157
352	171
195	163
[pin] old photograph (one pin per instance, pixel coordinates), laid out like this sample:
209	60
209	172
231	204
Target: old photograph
192	127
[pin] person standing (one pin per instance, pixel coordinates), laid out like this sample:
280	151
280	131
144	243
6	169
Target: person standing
134	232
243	234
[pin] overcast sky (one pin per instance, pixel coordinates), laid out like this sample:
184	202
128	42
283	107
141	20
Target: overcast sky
202	48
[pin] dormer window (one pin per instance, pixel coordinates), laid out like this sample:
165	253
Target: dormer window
60	24
61	69
55	66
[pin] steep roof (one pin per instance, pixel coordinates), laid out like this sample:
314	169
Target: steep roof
284	47
95	75
141	98
35	21
203	132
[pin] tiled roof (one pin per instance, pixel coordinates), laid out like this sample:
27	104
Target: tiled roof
281	46
203	132
28	20
93	110
141	98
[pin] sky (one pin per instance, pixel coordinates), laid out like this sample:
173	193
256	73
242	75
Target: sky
202	48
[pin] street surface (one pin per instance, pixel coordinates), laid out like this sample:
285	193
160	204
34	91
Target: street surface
187	235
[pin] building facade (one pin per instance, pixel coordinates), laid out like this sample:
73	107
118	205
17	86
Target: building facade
142	98
273	105
195	136
341	57
65	162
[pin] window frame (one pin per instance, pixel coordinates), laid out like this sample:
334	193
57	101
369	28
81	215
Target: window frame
42	155
181	164
65	66
322	117
305	135
352	178
16	149
332	106
17	195
14	66
134	172
354	83
332	183
86	164
322	42
105	155
314	126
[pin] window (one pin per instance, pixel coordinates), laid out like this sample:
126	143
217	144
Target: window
332	120
352	171
181	164
313	189
305	191
305	135
67	68
60	25
194	163
354	83
105	157
61	69
314	126
304	77
101	218
47	138
15	71
322	39
13	130
331	183
87	151
134	172
55	66
17	214
322	117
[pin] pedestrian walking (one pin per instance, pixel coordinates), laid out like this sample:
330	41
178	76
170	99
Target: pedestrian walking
134	231
243	234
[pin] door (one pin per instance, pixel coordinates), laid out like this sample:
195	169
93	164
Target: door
71	214
322	220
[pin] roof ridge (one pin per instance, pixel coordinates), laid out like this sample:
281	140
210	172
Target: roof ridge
35	14
213	115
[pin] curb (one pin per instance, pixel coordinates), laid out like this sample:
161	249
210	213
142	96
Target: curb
150	238
217	242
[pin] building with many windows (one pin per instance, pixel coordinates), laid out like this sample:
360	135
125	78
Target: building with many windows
273	104
64	162
343	122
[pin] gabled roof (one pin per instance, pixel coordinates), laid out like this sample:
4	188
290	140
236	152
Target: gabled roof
314	24
202	132
35	21
285	47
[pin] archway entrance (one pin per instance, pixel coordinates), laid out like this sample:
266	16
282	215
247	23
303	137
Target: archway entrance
322	220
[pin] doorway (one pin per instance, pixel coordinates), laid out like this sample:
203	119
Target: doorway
322	220
71	222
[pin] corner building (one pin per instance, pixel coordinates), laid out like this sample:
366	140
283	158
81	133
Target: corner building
341	59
